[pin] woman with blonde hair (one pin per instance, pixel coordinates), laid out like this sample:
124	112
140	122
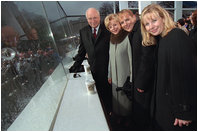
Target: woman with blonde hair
120	68
174	100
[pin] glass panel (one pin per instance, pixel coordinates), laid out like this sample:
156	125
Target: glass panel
54	14
81	6
28	56
76	23
132	4
166	4
65	29
189	4
67	39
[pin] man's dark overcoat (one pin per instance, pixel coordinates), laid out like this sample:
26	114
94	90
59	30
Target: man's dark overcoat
98	56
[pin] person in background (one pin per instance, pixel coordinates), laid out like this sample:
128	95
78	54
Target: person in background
142	71
180	24
120	67
28	51
9	42
188	23
175	98
46	55
32	45
94	40
39	55
9	37
193	32
33	35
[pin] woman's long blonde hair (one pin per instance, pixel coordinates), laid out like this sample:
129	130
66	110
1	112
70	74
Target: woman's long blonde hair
155	10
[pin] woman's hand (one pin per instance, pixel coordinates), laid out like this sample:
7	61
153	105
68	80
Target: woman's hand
140	90
109	80
181	122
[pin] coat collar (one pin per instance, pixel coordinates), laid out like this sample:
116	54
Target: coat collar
118	38
136	26
91	35
99	32
97	28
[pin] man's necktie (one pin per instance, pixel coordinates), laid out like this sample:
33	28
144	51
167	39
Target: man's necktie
94	34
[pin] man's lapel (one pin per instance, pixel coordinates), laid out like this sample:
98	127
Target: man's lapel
99	32
90	35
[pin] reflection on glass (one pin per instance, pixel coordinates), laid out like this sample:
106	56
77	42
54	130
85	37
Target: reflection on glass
30	57
67	39
52	14
166	4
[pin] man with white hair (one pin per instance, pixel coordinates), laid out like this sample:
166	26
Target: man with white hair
94	41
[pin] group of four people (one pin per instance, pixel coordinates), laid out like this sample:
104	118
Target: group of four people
158	58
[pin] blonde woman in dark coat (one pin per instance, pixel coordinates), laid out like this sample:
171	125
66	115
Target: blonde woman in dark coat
120	68
175	82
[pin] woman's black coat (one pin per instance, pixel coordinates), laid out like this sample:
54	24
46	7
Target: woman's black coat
142	78
175	91
193	36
